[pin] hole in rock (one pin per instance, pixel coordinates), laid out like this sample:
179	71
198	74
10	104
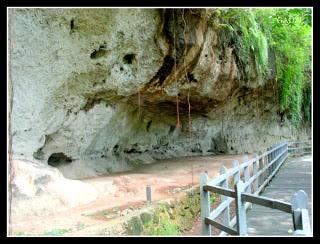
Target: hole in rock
72	24
149	125
103	46
172	128
128	59
58	159
101	52
191	78
116	150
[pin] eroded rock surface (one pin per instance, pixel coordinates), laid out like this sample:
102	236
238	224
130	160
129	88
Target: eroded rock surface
39	190
99	87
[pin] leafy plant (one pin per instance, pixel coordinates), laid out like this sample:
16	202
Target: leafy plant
212	198
252	32
239	29
174	219
164	228
162	224
289	32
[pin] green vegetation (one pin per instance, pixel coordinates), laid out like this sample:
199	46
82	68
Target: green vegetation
253	33
289	31
162	224
167	219
56	232
21	233
212	198
175	218
239	29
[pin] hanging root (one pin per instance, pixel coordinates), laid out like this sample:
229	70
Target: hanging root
189	106
189	113
139	101
178	125
139	95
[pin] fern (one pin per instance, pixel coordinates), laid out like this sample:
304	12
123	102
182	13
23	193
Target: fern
288	33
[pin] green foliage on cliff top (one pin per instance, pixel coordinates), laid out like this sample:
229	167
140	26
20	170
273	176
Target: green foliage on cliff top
289	32
286	31
244	34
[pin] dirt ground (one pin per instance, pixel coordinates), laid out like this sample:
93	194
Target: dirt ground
127	190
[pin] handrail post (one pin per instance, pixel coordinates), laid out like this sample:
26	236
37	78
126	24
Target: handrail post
274	156
269	158
246	173
260	167
205	205
236	176
255	171
266	162
226	211
240	209
300	216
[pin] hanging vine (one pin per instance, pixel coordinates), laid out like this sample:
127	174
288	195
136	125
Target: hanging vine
178	125
188	97
139	95
186	75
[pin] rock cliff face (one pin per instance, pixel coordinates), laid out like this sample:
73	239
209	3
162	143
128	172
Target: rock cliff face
95	90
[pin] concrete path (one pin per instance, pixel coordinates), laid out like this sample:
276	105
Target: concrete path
295	174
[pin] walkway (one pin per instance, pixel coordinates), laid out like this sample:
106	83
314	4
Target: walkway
294	174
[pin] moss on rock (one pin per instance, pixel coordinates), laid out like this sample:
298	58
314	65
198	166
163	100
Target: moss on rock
135	226
167	218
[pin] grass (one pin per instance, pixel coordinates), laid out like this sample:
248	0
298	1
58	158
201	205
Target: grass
56	232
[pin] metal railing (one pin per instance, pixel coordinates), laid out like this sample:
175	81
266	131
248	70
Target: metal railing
263	168
299	148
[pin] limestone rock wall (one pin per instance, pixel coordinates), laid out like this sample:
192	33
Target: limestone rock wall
99	87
